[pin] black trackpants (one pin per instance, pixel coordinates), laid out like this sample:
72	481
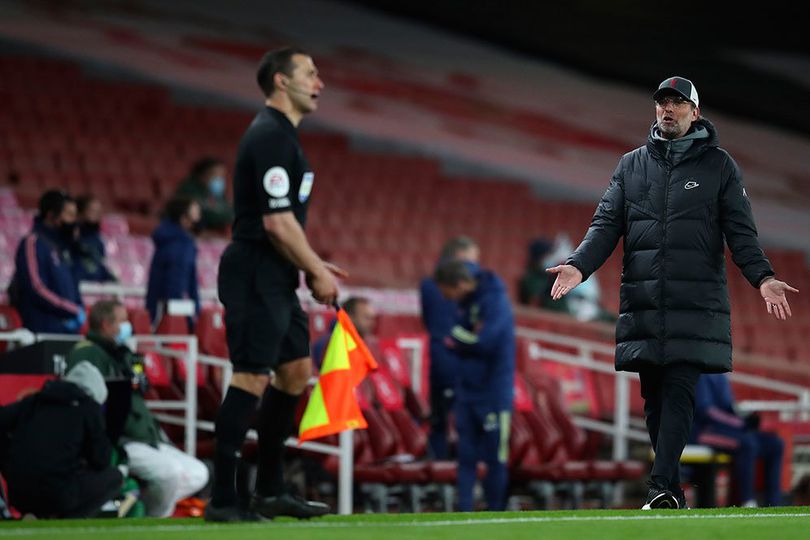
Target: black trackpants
669	407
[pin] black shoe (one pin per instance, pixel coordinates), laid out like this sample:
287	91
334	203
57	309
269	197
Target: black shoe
230	514
680	496
288	505
660	499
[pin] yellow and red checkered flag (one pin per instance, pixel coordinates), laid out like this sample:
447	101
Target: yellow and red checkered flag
332	407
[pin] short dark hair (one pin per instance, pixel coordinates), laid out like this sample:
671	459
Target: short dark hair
177	207
276	61
201	166
454	245
53	202
83	201
350	305
451	272
103	310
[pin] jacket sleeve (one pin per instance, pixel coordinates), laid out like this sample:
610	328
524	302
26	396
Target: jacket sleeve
496	318
607	226
34	262
429	298
9	415
737	222
97	449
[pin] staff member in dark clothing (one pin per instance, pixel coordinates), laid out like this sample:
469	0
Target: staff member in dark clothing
439	315
173	271
54	451
258	276
44	288
88	259
674	200
484	338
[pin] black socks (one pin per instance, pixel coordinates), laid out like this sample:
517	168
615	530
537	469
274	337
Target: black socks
276	418
232	424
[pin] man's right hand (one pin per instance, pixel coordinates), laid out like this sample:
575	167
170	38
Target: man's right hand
568	277
323	286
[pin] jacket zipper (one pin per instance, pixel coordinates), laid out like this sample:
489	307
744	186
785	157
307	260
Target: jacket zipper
664	259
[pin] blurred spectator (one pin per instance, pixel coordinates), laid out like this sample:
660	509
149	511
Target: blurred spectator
439	316
583	303
717	424
54	451
168	473
206	184
173	272
535	284
44	289
364	317
484	338
88	258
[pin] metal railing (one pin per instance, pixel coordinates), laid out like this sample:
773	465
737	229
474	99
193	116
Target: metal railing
620	428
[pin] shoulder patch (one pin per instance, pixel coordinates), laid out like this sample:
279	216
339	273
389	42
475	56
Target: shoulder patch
276	182
306	186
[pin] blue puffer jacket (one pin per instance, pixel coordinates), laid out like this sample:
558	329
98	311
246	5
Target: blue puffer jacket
173	272
47	294
485	340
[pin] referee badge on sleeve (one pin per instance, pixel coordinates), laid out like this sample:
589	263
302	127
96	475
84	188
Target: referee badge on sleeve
306	186
277	185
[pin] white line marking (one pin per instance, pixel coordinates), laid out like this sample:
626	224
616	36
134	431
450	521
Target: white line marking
39	531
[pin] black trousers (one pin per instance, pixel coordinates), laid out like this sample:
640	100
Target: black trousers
669	407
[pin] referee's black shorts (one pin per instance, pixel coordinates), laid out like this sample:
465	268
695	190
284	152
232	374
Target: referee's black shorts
264	322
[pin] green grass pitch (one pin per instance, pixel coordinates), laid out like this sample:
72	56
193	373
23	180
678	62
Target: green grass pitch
716	524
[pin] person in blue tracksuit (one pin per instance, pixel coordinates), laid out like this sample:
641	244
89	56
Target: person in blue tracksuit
44	289
718	425
484	339
173	272
439	316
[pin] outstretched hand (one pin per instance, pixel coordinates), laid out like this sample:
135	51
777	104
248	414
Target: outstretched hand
568	277
773	292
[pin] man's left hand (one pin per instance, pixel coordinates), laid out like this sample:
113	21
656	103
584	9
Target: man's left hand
773	292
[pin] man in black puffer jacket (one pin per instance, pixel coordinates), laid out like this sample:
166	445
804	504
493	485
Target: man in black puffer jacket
674	200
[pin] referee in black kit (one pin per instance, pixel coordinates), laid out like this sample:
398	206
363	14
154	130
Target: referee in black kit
258	275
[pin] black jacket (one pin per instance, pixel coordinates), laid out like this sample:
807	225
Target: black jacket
673	210
46	438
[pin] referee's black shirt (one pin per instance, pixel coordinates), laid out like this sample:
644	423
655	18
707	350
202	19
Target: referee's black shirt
272	175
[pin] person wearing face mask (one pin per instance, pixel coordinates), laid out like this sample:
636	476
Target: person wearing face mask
89	252
173	271
166	473
206	184
44	288
676	201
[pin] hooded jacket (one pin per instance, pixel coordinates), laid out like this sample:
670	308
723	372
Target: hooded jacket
484	336
173	272
46	438
674	203
46	292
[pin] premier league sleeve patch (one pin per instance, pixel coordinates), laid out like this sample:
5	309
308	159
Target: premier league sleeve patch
277	185
306	186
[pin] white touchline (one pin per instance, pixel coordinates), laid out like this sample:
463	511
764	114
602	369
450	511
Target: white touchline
39	531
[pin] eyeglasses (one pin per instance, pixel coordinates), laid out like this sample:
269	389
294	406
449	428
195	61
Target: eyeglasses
676	101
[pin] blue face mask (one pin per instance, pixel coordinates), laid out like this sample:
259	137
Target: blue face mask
217	186
124	332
